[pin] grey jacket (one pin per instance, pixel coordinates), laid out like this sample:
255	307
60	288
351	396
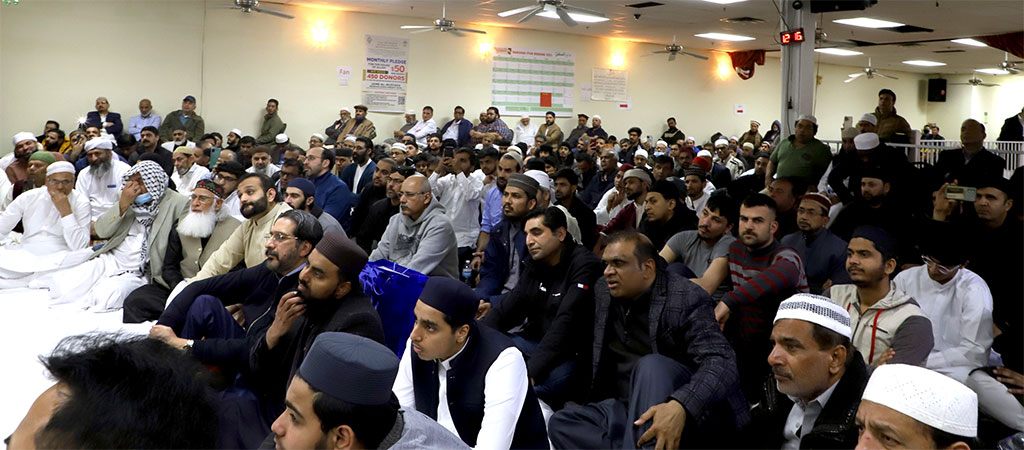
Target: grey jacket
114	228
426	245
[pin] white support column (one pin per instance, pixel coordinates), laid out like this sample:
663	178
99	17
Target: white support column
797	66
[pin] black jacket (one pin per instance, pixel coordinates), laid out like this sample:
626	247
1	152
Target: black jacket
683	218
557	304
587	221
835	426
984	165
848	166
256	288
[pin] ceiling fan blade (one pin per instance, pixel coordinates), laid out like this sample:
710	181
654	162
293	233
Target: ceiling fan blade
671	56
273	13
855	75
959	84
564	15
531	14
513	12
469	30
886	76
695	55
423	31
416	27
455	31
1014	62
989	84
660	51
578	10
849	79
1012	70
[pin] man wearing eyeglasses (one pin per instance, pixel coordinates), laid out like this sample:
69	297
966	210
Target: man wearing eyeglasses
823	253
56	222
189	245
227	174
422	237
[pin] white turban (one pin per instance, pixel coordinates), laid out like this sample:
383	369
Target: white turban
808	117
542	179
99	142
642	152
318	136
869	118
281	138
60	167
866	141
237	132
571	225
350	138
661	144
721	142
817	310
926	396
23	136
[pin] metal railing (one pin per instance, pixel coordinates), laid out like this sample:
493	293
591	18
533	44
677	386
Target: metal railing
928	151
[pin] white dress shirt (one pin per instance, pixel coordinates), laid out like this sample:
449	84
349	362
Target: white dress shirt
453	131
187	181
421	130
102	190
505	388
269	171
802	417
524	133
604	215
48	237
461	197
358	175
233	206
170	146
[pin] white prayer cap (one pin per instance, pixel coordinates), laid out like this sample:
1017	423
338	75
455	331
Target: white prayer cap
707	153
398	146
99	142
571	225
748	145
281	138
541	177
23	136
350	138
318	136
478	147
926	396
237	132
662	143
869	118
642	152
410	113
733	138
345	108
721	142
817	310
866	141
807	117
596	117
525	116
60	167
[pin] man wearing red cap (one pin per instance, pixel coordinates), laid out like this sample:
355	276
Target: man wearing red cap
823	253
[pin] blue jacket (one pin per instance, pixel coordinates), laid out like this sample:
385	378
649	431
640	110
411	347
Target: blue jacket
334	197
464	128
92	119
349	172
495	268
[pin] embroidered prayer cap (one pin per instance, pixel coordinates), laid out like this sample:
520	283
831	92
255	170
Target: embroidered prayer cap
527	184
452	297
883	242
369	367
817	310
60	167
232	167
866	141
23	136
351	138
98	142
185	150
925	396
696	171
304	185
209	185
642	152
869	118
342	252
398	146
46	157
819	198
808	118
281	138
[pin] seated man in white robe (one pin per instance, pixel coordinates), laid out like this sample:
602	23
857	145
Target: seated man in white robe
56	222
101	181
136	229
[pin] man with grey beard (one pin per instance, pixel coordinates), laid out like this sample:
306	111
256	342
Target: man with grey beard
102	180
189	245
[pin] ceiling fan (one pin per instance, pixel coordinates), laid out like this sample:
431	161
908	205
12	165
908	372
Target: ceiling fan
1009	66
552	6
975	81
870	72
821	40
674	50
443	25
248	6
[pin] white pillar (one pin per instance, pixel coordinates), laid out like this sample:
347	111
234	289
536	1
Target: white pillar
797	66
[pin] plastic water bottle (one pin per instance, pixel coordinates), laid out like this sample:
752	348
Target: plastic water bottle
467	272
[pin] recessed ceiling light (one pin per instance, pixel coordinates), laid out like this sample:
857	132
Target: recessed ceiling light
921	62
724	2
969	41
868	23
994	71
838	51
724	37
585	18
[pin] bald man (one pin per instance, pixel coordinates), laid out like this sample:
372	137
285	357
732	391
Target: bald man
421	238
145	118
971	163
102	118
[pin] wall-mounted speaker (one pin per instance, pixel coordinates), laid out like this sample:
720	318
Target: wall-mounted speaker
937	90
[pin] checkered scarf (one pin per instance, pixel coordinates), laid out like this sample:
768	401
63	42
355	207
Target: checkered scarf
155	180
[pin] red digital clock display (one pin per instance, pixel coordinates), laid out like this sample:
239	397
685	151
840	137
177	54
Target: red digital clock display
791	36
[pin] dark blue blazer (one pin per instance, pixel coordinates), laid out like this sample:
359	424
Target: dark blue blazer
464	128
349	172
93	120
494	271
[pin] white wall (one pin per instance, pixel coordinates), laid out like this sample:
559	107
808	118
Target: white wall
164	50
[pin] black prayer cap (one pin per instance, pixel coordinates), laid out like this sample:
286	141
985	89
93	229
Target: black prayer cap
667	189
884	242
350	368
344	253
232	167
452	297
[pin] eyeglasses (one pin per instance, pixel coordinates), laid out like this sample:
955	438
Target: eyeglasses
202	198
221	177
941	268
278	236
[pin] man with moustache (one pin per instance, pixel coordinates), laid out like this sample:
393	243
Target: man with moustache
705	251
508	164
260	205
823	253
399	134
506	246
218	321
179	138
372	192
300	195
422	237
333	131
636	183
382	210
359	126
144	119
492	125
552	134
184	118
227	175
25	145
233	140
197	235
457	128
101	181
332	194
148	143
187	171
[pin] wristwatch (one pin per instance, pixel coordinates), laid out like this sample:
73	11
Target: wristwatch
188	345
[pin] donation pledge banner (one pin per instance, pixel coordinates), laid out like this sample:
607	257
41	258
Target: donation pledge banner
385	75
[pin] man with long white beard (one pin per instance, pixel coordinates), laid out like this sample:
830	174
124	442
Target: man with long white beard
136	229
189	245
101	181
56	222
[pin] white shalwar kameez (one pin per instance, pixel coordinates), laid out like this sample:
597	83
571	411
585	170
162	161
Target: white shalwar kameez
49	241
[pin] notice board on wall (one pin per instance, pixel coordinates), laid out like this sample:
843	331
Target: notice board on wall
532	81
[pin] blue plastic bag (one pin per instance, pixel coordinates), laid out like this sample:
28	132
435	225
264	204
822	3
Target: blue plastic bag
393	289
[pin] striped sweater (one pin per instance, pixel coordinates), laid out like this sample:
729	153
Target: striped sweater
762	279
